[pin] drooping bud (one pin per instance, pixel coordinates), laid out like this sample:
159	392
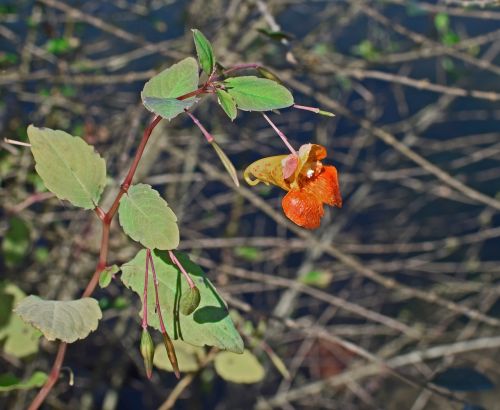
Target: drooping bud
266	73
147	352
190	300
231	170
169	346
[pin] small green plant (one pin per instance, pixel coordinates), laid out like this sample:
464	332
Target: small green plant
177	298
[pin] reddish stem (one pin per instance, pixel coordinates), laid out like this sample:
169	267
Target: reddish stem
186	275
51	381
282	136
101	264
168	343
238	67
209	137
145	296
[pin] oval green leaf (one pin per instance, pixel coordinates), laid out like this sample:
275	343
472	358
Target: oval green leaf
179	79
147	218
159	94
68	166
239	368
258	94
9	382
189	357
209	325
227	103
204	51
190	300
67	321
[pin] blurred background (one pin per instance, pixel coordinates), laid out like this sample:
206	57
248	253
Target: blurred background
404	277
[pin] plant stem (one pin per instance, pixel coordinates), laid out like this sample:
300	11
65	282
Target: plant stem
145	297
282	136
209	137
238	67
101	264
166	339
186	275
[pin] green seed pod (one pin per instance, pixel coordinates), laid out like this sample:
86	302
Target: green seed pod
147	352
189	301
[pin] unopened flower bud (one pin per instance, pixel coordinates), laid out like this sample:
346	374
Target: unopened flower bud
147	352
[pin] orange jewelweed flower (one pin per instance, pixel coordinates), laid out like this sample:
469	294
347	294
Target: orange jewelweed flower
309	183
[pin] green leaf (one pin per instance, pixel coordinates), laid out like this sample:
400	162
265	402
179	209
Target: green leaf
239	368
147	218
276	35
231	170
9	382
20	339
16	241
68	166
167	108
64	320
190	300
258	94
159	94
442	22
107	275
227	103
209	325
58	45
320	279
188	357
205	51
249	253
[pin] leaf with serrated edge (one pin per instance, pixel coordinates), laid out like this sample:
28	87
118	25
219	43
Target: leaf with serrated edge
227	103
147	218
258	94
68	166
67	321
239	368
179	79
10	382
188	357
209	325
167	108
204	51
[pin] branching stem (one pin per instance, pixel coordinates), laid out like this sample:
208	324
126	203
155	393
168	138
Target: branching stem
106	219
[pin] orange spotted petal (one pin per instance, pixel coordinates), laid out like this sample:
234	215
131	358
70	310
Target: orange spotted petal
303	209
325	187
268	170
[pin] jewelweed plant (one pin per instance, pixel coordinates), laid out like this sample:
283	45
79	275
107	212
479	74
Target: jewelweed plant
177	298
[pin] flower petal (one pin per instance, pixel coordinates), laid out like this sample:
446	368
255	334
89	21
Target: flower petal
303	209
325	187
268	170
289	165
